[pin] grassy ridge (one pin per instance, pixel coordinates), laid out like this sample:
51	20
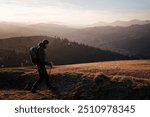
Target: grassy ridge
103	80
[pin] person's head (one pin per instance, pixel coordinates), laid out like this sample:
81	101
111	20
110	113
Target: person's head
44	44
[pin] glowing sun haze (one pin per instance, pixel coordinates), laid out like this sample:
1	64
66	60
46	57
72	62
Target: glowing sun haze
73	12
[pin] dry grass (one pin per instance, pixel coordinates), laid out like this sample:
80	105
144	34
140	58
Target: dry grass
102	80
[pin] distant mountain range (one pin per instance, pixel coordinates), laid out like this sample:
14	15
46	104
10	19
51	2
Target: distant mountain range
10	29
121	23
15	52
133	40
126	37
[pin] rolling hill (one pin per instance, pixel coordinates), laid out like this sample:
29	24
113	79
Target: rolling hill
15	51
130	40
133	40
13	29
120	80
122	23
10	29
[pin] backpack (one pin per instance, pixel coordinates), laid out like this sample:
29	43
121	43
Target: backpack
33	54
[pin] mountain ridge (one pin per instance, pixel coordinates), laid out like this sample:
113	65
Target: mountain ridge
131	41
15	51
122	23
113	80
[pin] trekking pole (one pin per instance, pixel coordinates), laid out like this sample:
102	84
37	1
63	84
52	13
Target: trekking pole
51	68
27	85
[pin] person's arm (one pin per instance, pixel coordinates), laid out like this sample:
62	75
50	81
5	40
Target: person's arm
48	63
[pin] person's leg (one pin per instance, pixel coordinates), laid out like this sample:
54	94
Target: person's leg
36	84
46	77
39	81
49	86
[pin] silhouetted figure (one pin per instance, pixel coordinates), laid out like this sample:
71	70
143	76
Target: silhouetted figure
41	62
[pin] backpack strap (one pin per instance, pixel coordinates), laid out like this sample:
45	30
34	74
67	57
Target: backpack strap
37	55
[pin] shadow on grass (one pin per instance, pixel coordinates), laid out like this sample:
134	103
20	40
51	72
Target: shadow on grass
80	86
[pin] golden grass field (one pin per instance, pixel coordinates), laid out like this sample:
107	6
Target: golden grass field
100	80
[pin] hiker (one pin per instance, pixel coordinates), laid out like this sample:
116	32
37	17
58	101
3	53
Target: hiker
41	62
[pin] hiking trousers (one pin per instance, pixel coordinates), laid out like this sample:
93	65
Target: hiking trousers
43	75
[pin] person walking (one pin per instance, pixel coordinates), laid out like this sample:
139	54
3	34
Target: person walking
41	62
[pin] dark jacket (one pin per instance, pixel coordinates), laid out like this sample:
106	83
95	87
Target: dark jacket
42	57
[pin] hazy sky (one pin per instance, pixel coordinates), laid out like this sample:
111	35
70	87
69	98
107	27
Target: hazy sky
73	12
